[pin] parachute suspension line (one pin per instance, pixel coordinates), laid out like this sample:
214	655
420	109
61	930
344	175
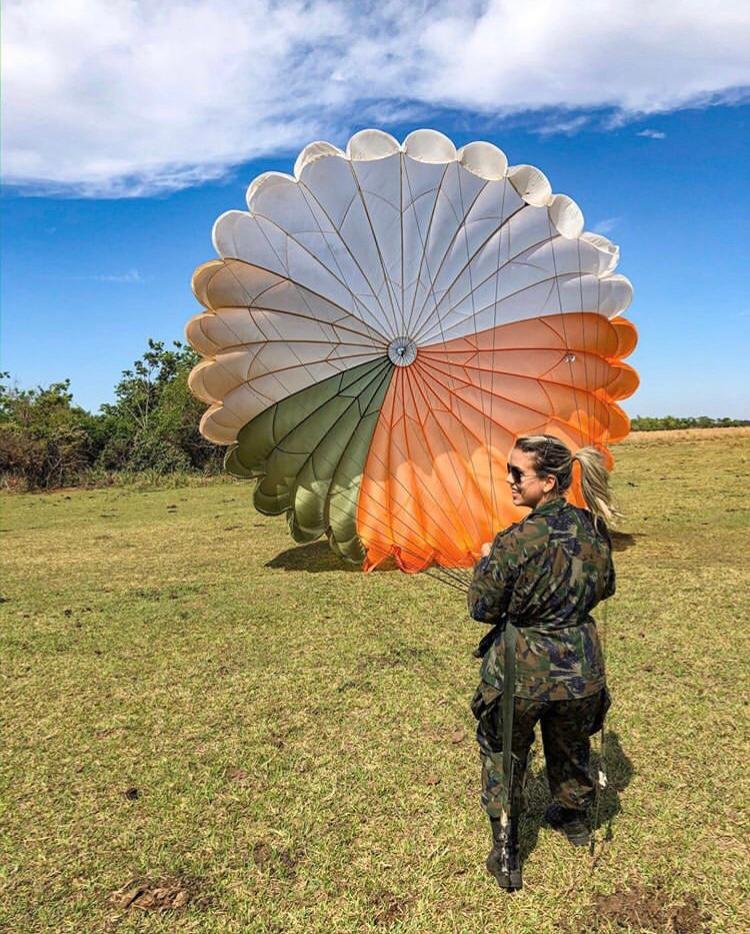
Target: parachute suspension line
568	354
493	491
424	322
386	278
389	527
450	582
407	377
341	278
486	423
289	344
428	380
439	505
401	229
432	279
355	501
305	249
420	533
430	303
601	780
423	240
301	362
584	347
458	574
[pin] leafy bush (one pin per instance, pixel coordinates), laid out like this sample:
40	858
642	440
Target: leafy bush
153	423
45	441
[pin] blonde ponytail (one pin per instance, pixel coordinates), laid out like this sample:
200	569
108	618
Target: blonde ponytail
595	484
554	458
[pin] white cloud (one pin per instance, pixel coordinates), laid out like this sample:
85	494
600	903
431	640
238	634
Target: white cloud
606	226
124	97
565	125
131	277
652	134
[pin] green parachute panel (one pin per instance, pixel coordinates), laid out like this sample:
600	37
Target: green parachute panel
308	453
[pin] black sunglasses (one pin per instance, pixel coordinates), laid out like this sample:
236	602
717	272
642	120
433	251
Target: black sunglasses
519	476
516	473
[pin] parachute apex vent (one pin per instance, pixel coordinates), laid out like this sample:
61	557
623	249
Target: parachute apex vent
402	351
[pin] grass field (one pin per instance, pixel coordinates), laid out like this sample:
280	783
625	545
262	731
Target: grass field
231	734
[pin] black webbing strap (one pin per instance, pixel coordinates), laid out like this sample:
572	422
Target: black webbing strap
509	689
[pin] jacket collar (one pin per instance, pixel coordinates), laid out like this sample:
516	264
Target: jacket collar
550	508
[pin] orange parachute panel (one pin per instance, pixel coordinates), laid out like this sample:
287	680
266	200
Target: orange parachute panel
434	488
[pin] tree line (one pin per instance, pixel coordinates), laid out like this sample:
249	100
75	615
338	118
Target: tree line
46	441
671	422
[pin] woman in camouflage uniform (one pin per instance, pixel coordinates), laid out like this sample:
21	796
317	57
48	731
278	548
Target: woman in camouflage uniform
537	584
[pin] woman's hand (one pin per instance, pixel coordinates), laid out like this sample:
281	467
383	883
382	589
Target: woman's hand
486	549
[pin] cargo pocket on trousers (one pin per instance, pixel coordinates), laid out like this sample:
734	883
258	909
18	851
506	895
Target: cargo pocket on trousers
484	697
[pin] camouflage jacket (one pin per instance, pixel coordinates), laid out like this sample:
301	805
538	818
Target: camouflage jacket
545	574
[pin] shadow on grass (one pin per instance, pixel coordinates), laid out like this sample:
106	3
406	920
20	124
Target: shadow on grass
316	557
621	541
619	771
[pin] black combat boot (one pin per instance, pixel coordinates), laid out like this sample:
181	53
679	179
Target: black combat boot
571	823
504	860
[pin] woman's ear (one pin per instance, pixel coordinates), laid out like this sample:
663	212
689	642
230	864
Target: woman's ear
549	483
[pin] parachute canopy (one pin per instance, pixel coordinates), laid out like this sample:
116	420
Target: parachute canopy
383	324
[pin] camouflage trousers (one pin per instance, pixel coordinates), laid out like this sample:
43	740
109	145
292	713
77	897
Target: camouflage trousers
566	725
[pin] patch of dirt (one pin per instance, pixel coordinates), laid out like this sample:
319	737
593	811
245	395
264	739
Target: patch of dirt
155	895
235	774
147	593
621	541
388	908
262	854
688	917
649	909
276	861
277	739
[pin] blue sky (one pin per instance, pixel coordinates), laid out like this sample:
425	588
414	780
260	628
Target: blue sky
99	242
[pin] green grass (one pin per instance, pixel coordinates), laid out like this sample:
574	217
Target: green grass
299	735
